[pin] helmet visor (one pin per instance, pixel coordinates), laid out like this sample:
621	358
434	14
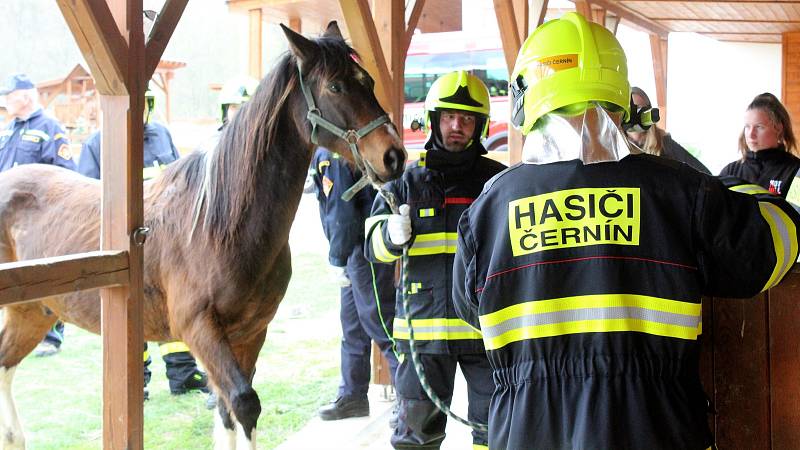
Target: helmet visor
591	136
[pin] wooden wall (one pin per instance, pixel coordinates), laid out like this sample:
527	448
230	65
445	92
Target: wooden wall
750	367
790	77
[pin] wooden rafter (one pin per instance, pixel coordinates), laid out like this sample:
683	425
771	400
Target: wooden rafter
658	48
100	42
509	32
162	31
413	20
365	39
636	19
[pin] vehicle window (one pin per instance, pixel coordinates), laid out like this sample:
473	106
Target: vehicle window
422	71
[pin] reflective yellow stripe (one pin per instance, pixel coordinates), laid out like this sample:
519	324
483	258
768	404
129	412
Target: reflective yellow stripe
751	189
415	287
590	314
435	329
784	240
172	347
422	156
433	244
427	212
480	447
145	355
372	229
38	133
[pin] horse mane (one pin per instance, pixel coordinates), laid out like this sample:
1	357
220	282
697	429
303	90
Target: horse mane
224	178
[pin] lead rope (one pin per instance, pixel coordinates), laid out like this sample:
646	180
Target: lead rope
418	368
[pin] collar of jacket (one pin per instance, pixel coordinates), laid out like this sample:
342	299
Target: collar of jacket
767	154
453	162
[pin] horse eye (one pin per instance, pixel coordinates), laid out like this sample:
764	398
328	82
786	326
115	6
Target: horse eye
334	87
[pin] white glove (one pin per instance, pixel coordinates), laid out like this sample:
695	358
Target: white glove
399	226
339	276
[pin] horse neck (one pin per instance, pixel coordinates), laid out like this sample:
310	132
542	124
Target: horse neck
277	186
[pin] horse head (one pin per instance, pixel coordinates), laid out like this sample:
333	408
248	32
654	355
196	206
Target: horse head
341	108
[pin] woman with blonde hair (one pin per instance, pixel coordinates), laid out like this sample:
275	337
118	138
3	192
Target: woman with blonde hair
766	144
658	142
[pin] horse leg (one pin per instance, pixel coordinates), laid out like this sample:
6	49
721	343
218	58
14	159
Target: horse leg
25	326
247	354
237	401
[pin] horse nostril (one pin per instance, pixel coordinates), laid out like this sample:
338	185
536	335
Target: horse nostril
394	160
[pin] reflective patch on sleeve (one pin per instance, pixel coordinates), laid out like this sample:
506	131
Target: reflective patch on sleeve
784	241
750	189
65	152
59	136
574	218
793	196
38	133
427	212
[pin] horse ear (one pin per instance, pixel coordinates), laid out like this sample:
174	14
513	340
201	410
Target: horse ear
300	47
333	31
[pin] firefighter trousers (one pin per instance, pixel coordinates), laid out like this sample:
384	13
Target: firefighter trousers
420	424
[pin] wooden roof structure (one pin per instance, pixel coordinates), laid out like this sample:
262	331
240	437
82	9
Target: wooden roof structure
110	37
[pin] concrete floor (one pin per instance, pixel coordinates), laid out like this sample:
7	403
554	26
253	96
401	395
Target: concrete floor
373	432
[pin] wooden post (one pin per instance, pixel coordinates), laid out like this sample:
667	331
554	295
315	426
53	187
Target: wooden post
254	56
658	47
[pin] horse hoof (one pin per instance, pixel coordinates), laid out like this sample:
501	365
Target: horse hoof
247	408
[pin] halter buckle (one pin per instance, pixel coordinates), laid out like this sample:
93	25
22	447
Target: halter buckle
351	136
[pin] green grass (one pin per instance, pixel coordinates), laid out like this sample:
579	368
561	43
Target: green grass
59	398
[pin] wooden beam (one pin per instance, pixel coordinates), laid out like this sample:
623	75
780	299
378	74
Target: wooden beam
254	46
658	48
745	21
121	211
390	23
509	33
162	31
296	24
538	11
38	278
100	42
522	13
584	8
365	39
636	19
599	16
413	20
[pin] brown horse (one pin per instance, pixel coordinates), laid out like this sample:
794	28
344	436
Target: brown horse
217	260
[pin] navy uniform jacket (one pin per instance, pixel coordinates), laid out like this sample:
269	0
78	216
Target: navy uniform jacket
586	280
437	192
38	139
342	221
158	152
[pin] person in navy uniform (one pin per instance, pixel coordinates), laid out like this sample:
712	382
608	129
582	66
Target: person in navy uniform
363	316
159	150
33	137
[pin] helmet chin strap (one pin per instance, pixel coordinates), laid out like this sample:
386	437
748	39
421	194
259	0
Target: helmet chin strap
350	136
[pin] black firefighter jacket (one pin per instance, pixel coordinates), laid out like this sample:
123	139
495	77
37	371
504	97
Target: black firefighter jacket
585	281
438	188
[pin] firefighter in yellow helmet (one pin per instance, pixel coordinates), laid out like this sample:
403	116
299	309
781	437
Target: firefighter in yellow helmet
433	192
583	267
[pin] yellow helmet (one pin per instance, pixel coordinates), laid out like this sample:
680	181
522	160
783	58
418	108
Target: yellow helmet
461	91
568	62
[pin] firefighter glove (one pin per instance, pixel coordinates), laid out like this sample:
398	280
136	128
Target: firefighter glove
399	226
